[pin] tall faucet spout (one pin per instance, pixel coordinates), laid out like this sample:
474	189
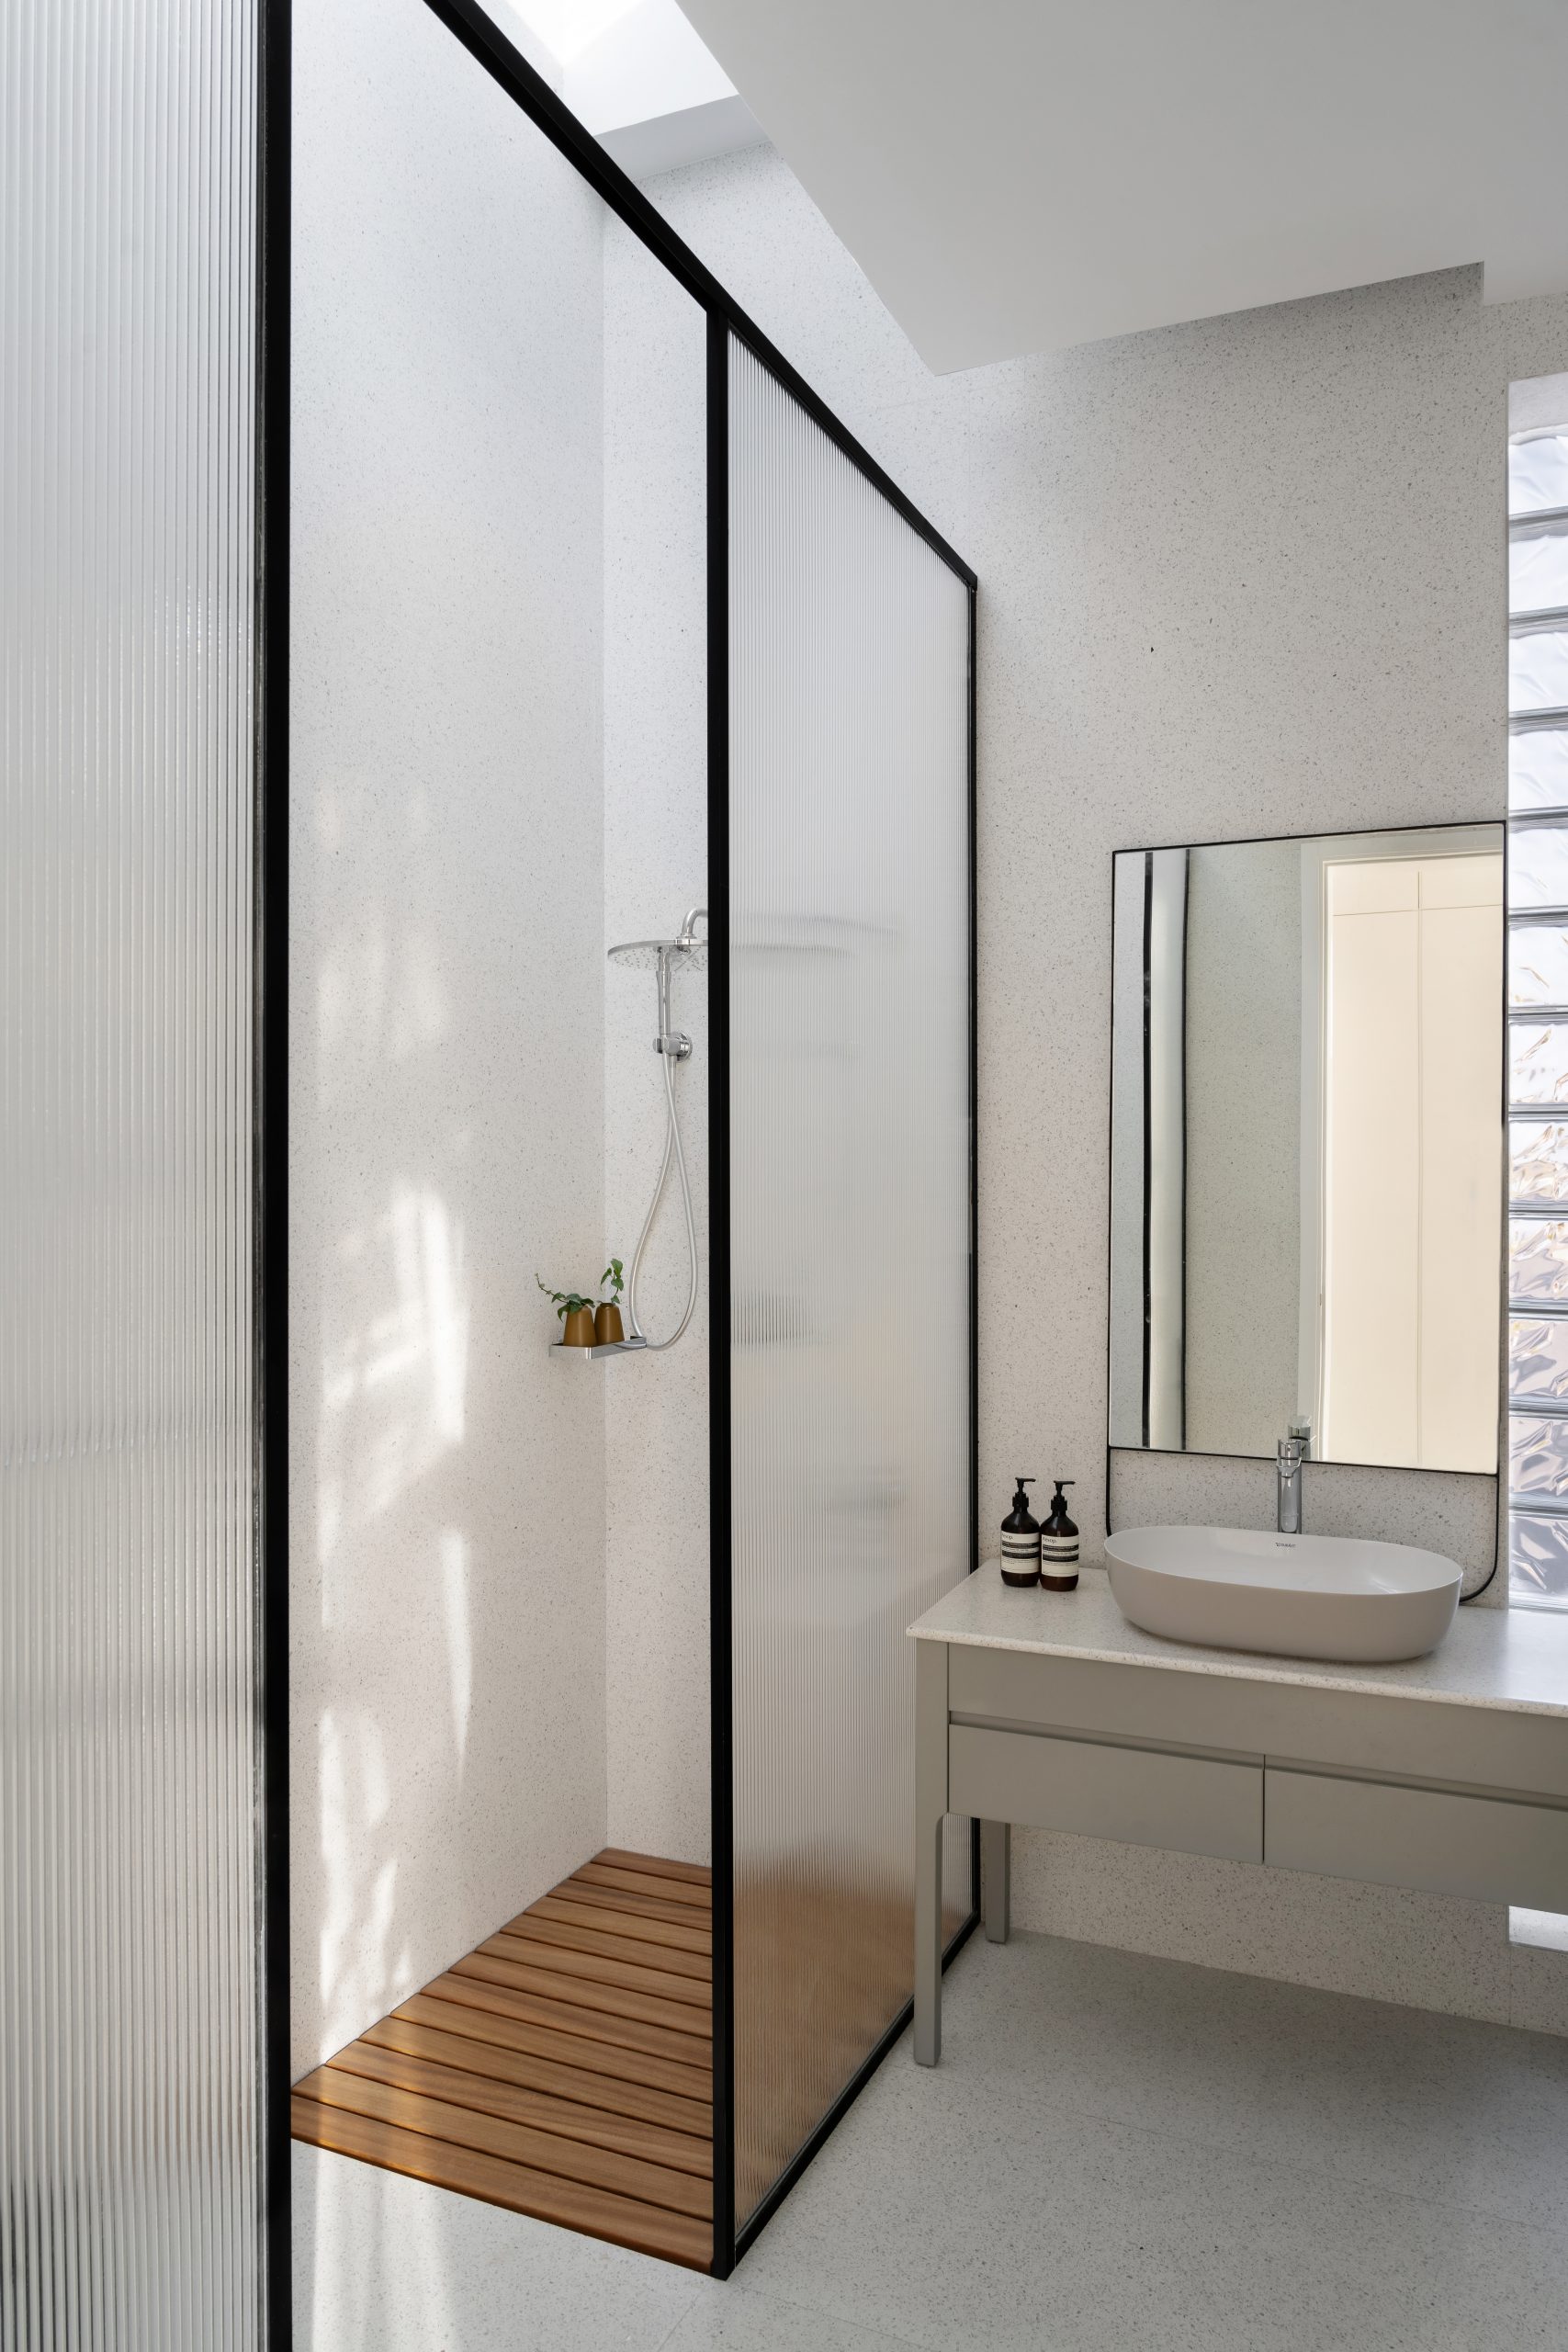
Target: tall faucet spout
1288	1485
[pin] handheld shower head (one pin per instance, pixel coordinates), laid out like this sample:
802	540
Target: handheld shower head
665	956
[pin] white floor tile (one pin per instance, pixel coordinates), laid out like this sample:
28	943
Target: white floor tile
1436	2106
1116	2151
1080	2236
383	2264
734	2320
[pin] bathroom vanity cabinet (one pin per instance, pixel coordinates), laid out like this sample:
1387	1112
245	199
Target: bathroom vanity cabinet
1449	1773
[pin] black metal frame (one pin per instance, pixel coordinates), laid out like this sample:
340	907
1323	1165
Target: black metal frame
725	318
1258	840
721	1663
270	1142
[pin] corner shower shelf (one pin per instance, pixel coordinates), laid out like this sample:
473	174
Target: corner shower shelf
592	1355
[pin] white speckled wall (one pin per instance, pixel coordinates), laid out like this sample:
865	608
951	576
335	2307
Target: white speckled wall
448	1010
1237	578
655	1429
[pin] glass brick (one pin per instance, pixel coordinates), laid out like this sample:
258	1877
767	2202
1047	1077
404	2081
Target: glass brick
1537	1061
1538	670
1538	964
1537	1356
1537	473
1538	1456
1538	567
1537	1158
1538	769
1537	1260
1537	1562
1538	865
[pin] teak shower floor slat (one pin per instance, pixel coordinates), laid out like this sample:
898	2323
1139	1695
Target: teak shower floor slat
564	2069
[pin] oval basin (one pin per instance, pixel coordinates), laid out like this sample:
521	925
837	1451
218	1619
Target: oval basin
1297	1596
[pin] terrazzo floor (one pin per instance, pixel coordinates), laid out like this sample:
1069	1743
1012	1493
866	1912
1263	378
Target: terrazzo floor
1114	2152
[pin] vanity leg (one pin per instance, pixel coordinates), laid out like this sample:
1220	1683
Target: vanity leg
996	1858
930	1806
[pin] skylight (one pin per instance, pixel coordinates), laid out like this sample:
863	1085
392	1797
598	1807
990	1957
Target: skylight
569	26
636	74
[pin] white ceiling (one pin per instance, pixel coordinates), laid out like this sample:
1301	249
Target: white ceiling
1018	176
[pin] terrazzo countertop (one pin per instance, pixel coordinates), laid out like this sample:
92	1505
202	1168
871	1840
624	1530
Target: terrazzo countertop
1515	1658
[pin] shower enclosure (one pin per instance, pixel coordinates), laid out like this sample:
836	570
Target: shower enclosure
492	592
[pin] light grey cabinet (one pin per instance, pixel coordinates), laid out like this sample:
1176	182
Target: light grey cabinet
1496	1849
1139	1796
1396	1788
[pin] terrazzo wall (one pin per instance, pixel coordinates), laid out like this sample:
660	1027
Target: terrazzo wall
1237	578
447	1021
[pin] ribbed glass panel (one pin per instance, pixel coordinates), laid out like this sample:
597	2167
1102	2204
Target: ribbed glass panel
850	1207
127	1860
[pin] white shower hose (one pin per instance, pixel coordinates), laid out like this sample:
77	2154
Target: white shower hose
671	1145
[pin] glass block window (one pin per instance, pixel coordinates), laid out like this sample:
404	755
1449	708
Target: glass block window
1537	1017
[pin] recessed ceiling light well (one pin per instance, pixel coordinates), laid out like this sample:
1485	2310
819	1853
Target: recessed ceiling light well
569	26
636	74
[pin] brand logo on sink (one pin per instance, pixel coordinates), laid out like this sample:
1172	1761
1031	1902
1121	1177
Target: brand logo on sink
1283	1544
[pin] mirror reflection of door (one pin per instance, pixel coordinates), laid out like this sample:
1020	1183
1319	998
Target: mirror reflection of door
1306	1131
1406	1174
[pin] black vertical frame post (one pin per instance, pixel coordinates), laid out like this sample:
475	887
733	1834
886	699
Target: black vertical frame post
973	1042
270	1140
1147	1098
721	1659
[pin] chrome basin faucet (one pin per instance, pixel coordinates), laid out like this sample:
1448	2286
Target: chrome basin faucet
1288	1458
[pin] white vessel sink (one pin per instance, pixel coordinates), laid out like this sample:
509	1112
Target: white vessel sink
1297	1596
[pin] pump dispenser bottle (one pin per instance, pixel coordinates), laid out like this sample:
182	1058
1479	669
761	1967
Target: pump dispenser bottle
1059	1545
1021	1541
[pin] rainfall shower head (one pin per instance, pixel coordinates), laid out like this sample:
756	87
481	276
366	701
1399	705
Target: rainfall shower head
645	955
664	957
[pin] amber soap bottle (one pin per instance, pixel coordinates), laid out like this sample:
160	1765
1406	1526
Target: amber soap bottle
1020	1540
1059	1545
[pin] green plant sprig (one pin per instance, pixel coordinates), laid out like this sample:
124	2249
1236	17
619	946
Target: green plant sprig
612	1274
566	1302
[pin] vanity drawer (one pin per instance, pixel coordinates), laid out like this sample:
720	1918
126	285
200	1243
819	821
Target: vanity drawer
1488	1848
1189	1804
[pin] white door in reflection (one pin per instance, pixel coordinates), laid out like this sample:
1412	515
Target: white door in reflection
1410	1078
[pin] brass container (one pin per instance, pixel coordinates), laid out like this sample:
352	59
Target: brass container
577	1331
607	1328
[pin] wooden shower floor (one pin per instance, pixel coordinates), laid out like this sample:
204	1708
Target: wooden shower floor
564	2069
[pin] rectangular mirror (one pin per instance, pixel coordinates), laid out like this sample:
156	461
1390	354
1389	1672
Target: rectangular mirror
1306	1193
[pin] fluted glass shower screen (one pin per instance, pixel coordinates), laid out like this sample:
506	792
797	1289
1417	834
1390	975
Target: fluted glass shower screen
850	1188
131	2184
